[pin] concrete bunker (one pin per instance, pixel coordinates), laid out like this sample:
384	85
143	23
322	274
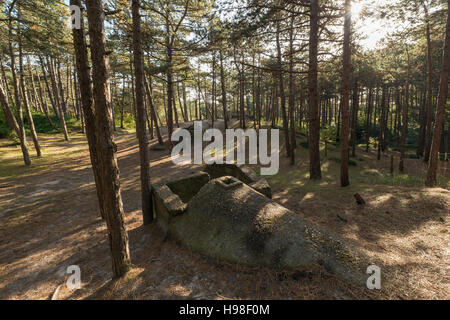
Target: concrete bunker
226	218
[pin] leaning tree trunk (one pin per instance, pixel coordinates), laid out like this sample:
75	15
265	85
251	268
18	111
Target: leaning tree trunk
87	108
440	110
109	170
314	135
345	95
146	195
57	99
10	115
21	133
33	132
148	88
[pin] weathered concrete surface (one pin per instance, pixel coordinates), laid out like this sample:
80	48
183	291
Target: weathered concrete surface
241	172
170	198
229	220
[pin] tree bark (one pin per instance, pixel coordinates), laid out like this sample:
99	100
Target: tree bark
109	171
33	132
345	95
282	94
314	135
146	195
429	98
401	165
224	93
291	91
368	115
440	110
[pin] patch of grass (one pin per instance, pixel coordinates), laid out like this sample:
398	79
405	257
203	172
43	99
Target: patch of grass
387	179
11	159
304	144
411	156
351	162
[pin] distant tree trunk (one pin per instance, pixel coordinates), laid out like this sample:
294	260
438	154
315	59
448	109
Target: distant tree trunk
429	108
401	165
148	88
291	91
368	115
132	90
282	93
345	95
422	124
122	107
111	94
183	89
146	195
314	135
169	84
440	109
57	100
76	93
47	86
26	102
10	115
224	93
354	120
381	135
22	135
213	89
109	171
61	88
37	102
7	90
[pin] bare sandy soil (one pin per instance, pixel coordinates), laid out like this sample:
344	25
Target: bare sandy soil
49	220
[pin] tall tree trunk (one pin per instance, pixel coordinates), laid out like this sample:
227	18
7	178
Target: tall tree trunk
381	135
60	86
7	90
282	94
22	135
148	87
57	100
109	171
354	120
146	195
87	113
422	125
345	95
33	132
429	108
169	84
440	109
224	93
47	86
291	91
122	106
10	115
213	89
401	165
368	115
314	135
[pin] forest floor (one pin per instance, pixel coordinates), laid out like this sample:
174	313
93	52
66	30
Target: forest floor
49	220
